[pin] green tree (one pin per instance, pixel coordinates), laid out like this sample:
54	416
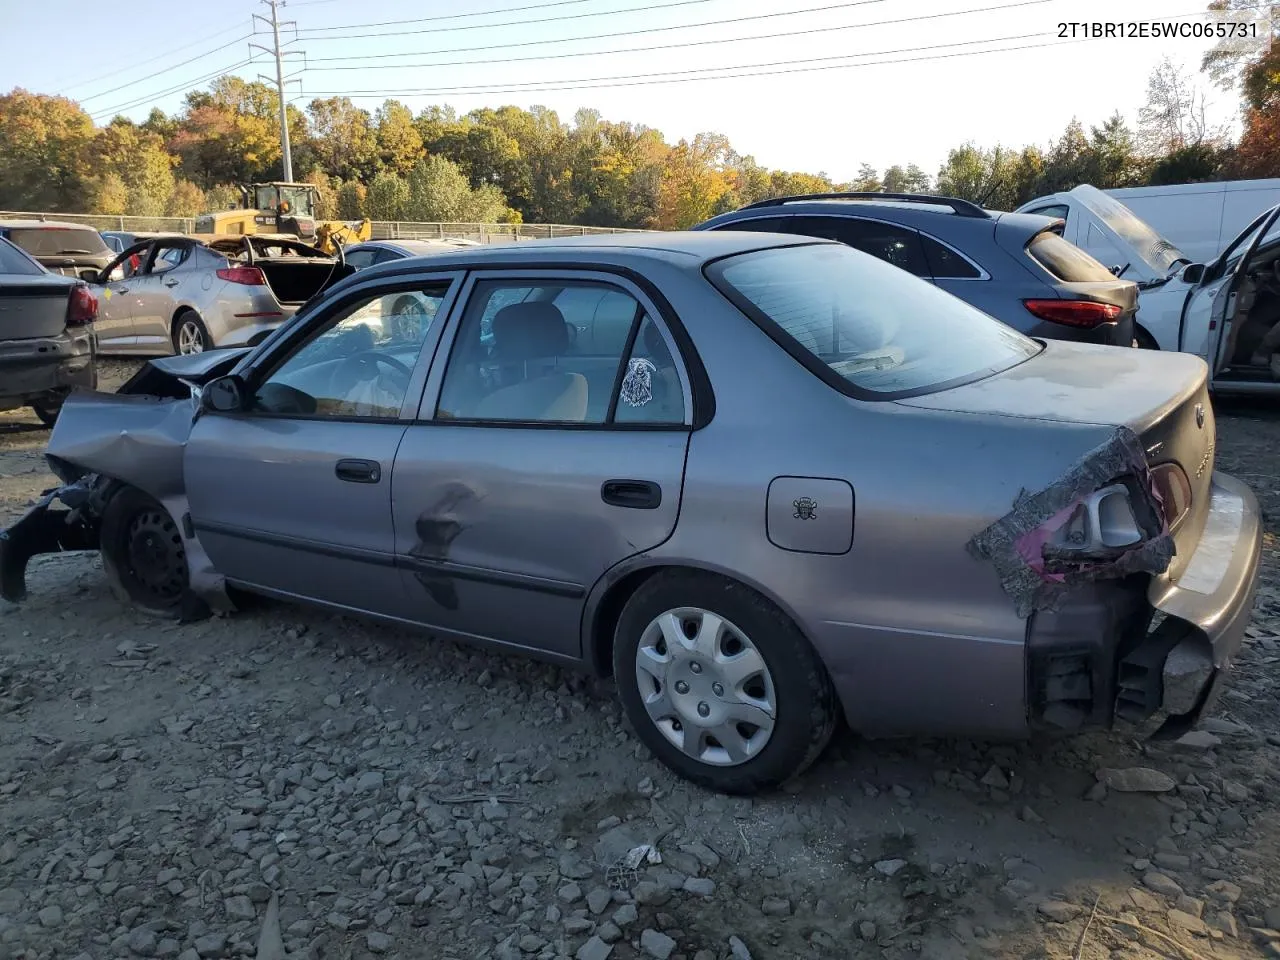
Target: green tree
186	200
108	194
388	197
439	192
352	200
326	193
399	143
868	180
343	139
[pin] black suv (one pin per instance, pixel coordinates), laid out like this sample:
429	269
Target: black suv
1014	266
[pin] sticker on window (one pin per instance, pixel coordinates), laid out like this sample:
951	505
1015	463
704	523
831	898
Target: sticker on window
637	385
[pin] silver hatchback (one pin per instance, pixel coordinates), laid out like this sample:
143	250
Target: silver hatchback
768	484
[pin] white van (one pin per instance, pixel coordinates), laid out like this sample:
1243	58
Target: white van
1199	218
1226	310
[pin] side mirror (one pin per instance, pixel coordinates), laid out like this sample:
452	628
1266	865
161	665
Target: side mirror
1192	273
1116	269
89	275
224	395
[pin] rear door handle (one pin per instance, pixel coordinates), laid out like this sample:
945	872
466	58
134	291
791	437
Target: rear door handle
359	471
636	494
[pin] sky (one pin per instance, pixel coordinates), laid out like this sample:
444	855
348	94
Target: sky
901	81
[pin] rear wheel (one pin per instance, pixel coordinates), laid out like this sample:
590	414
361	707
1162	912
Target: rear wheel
143	553
1144	340
190	334
720	684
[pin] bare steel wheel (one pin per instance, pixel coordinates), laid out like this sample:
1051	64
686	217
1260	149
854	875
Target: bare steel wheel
720	684
143	553
705	686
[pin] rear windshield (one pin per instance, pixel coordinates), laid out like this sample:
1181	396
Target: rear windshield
58	241
865	326
1064	259
13	262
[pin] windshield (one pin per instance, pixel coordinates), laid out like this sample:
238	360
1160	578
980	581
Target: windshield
298	198
879	330
13	261
58	241
1157	252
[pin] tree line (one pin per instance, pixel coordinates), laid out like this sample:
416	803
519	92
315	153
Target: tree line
511	165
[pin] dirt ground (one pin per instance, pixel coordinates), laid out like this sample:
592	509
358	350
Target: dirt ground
161	786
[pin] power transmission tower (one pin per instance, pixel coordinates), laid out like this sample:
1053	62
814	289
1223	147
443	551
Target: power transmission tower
276	51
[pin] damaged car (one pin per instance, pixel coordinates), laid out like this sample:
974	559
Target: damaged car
769	484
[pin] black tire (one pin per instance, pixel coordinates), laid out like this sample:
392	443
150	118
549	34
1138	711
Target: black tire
1143	340
143	553
48	410
191	321
806	705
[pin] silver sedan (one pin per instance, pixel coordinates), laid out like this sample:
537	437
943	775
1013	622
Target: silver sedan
175	294
768	484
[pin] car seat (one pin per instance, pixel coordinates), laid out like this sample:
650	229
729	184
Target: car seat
529	337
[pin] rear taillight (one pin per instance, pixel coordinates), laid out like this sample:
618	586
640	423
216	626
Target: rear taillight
82	307
249	276
1074	313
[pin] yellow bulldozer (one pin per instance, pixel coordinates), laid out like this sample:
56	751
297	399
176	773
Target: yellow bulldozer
284	208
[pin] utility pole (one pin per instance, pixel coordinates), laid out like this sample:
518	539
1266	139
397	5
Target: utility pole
275	23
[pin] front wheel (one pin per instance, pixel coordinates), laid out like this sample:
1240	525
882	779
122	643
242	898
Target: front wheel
143	553
48	409
720	684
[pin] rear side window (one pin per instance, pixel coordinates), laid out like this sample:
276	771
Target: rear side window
865	328
58	241
761	225
1064	259
945	263
13	262
884	241
1053	210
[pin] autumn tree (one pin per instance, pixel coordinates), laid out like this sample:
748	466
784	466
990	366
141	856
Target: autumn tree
344	142
46	147
398	140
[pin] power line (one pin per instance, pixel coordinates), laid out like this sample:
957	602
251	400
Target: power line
151	76
150	98
676	76
143	63
448	16
278	54
647	8
672	46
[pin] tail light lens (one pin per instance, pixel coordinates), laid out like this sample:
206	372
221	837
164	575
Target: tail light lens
248	276
82	307
1074	313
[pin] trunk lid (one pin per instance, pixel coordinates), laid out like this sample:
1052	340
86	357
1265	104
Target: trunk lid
33	306
1162	397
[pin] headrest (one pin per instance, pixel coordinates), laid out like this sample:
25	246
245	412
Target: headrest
530	331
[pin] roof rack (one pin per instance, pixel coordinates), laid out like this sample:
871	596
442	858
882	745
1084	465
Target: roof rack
963	208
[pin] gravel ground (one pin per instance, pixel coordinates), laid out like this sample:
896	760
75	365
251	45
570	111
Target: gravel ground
289	783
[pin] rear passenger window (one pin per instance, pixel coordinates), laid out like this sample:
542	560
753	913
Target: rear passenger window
945	263
553	353
884	241
1064	259
650	390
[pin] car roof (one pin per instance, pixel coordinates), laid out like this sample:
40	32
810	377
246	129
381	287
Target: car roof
896	211
53	224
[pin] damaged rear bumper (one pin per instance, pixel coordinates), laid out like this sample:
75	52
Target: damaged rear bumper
1151	649
45	529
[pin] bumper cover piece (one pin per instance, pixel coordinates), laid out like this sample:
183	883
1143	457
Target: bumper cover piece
45	530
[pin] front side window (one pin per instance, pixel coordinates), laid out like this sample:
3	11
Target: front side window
168	257
359	364
867	329
558	352
359	259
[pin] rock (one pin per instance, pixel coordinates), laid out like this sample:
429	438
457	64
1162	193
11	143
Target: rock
1059	911
1030	816
775	907
1235	792
867	930
211	945
1185	921
532	943
598	900
240	908
700	886
1136	780
378	942
370	781
1197	740
648	893
889	867
50	916
1144	901
995	779
594	949
570	893
738	950
656	945
1225	921
143	941
1271	918
1190	905
1160	883
1224	890
625	915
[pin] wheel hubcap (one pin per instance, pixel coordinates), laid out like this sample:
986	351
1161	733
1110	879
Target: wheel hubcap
705	686
189	339
157	559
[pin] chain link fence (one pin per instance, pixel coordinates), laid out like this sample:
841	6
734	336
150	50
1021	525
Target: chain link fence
382	229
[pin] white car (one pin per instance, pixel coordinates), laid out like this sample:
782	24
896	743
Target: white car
1226	311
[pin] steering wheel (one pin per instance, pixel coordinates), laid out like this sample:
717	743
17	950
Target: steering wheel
364	366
